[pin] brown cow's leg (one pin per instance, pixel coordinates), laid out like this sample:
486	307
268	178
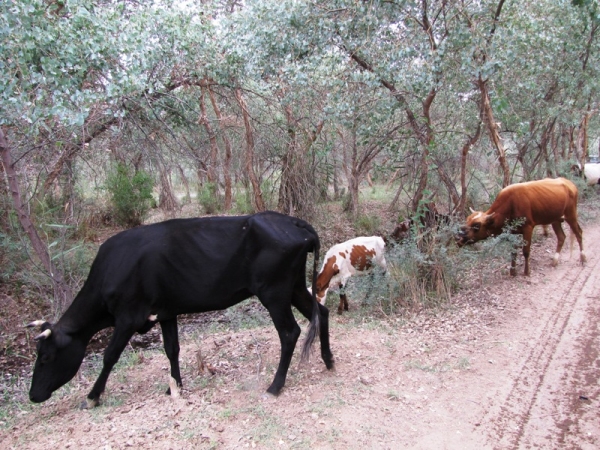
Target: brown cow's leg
527	234
560	238
571	219
513	264
545	228
578	232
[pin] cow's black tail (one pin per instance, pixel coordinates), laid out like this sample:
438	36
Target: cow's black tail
315	321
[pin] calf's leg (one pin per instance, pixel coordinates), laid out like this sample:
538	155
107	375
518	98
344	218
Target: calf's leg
343	306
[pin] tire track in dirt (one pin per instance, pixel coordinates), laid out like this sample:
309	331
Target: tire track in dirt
538	410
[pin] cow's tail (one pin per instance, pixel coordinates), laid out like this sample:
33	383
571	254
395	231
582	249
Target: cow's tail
571	243
315	321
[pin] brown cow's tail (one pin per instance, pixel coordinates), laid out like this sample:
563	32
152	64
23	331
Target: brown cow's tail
315	321
571	243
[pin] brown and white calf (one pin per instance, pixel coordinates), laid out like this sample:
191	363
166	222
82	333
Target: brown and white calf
354	257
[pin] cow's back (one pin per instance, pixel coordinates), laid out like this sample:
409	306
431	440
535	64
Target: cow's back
202	264
541	202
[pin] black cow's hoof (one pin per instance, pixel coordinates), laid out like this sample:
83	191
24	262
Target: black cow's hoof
89	403
268	396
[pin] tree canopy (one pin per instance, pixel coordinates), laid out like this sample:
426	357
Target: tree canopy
289	103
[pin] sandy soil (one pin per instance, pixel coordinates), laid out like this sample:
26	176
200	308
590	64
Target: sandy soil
512	364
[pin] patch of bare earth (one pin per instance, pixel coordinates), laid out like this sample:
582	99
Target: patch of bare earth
513	363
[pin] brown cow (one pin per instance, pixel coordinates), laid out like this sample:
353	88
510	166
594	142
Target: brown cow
543	202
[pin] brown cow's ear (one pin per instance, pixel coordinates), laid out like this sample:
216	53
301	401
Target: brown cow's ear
490	218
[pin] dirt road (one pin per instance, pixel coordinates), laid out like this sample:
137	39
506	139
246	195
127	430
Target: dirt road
513	364
550	398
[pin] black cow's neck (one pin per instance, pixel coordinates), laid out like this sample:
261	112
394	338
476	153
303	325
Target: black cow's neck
84	317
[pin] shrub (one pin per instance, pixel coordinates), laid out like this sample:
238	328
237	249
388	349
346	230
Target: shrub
367	225
428	268
422	273
208	198
130	195
243	203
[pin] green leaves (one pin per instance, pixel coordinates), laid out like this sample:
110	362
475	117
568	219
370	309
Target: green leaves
60	67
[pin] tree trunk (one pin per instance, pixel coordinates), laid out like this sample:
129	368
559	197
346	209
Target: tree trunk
572	145
297	186
471	141
426	139
582	139
334	175
62	292
93	128
493	131
353	177
184	180
167	199
288	188
546	141
257	199
424	135
227	162
211	174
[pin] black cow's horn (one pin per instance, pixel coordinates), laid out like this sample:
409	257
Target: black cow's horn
43	335
35	323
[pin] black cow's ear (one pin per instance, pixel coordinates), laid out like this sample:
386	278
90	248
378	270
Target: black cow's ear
62	339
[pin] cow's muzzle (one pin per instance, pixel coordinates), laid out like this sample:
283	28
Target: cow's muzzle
462	238
39	397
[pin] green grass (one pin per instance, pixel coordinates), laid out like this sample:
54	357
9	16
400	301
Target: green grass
393	395
463	364
14	401
378	193
431	368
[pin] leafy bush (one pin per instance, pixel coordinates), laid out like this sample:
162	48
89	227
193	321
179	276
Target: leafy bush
243	203
422	273
12	256
130	195
208	198
428	268
367	224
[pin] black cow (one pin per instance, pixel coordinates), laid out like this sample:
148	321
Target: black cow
156	272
